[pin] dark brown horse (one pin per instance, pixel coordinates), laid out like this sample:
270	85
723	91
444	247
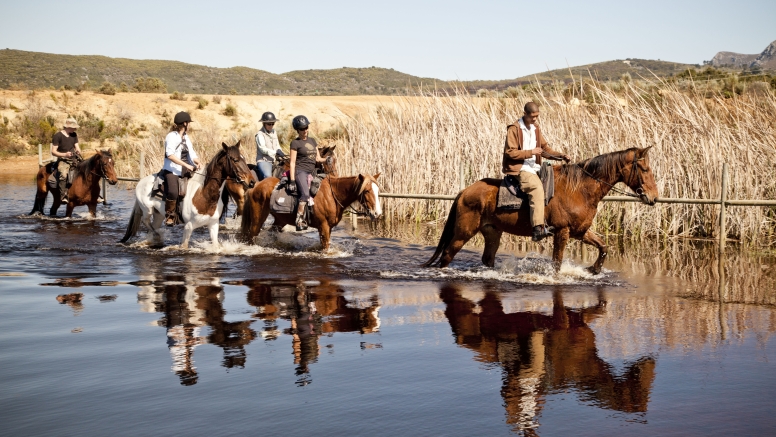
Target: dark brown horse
579	188
85	188
236	191
334	196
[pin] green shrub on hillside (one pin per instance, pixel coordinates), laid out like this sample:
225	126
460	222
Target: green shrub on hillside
107	88
230	110
217	100
177	96
201	102
149	85
37	130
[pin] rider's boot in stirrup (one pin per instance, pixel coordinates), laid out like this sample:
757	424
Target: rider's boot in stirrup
301	224
169	212
540	232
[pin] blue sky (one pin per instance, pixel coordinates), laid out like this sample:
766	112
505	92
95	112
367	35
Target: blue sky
451	39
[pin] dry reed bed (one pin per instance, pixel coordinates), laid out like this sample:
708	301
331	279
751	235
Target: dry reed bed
419	146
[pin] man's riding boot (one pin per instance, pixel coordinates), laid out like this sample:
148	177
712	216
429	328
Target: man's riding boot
540	233
63	190
169	212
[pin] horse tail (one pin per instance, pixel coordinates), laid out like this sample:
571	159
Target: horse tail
247	215
41	191
447	234
134	223
225	200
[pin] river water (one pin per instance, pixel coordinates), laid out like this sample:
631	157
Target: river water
98	338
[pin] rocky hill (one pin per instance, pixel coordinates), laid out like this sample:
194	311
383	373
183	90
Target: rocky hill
765	60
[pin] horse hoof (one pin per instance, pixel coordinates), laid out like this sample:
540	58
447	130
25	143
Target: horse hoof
594	271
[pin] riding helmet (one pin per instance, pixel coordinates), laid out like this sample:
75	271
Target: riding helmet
268	117
300	122
181	118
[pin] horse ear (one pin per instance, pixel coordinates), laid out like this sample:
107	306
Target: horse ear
643	152
377	176
332	148
361	177
238	143
224	146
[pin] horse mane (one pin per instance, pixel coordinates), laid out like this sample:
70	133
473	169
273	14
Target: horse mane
87	165
232	151
603	167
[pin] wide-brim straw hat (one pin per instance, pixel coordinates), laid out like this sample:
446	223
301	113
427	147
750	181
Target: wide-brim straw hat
71	123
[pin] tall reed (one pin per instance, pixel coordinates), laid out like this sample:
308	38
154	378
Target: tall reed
420	142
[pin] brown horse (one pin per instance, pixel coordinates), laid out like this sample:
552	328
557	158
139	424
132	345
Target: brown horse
236	191
334	196
579	188
85	188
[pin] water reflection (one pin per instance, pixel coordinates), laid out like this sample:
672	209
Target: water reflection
312	312
541	354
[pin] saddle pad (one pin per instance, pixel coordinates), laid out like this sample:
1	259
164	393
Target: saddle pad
507	200
280	202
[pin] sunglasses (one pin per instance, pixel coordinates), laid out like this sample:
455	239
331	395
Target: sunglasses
270	124
303	129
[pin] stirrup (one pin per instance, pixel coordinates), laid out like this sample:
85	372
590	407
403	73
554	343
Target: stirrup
546	231
301	225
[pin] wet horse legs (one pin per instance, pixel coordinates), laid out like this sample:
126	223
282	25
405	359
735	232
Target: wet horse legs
492	241
594	240
560	240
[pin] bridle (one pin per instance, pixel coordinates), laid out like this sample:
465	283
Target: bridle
639	194
230	169
352	210
103	174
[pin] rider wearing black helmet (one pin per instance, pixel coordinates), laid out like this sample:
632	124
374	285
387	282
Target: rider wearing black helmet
304	156
267	146
180	159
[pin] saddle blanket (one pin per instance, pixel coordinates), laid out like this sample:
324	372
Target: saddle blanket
510	196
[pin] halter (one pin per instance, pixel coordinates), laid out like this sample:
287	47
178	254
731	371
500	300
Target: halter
230	164
103	174
352	210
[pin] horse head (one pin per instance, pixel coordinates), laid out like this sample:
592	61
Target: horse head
369	195
235	167
639	178
106	166
330	165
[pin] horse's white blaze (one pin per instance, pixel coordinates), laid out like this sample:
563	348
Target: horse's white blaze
378	208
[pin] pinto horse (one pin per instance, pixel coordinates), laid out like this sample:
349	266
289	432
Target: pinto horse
85	188
334	196
202	205
236	191
579	188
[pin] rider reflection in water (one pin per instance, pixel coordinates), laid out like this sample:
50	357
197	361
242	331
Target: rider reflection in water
544	354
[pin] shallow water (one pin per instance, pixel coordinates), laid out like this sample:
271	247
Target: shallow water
279	339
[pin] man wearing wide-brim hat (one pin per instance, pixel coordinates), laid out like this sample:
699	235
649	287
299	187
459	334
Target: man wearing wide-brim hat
64	145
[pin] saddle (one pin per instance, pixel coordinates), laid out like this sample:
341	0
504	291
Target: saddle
55	175
510	196
281	202
159	186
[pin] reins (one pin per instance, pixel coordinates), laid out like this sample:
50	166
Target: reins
611	186
352	210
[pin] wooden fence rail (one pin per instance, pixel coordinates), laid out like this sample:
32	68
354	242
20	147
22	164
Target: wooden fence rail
723	201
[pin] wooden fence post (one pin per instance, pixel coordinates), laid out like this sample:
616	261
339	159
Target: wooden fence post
40	155
722	212
104	192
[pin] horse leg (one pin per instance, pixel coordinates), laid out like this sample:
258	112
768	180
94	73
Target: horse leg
92	209
561	238
492	242
465	229
594	240
69	209
56	203
187	230
214	235
154	223
324	232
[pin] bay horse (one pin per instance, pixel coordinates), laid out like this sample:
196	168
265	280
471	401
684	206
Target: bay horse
579	187
202	205
334	196
236	191
85	188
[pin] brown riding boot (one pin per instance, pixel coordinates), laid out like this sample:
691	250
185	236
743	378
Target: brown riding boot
169	212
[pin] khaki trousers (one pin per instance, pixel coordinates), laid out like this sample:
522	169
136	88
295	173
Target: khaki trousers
532	186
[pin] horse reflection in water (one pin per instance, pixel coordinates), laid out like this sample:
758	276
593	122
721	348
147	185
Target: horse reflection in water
312	312
187	309
543	354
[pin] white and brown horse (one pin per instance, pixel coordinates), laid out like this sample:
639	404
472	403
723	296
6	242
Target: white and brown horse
202	205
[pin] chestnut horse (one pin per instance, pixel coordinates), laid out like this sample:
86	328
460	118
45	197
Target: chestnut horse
579	188
202	204
85	188
236	191
334	196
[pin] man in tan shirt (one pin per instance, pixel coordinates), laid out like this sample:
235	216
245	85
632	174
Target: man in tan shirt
524	149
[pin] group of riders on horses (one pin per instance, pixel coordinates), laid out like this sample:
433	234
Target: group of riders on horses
524	149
